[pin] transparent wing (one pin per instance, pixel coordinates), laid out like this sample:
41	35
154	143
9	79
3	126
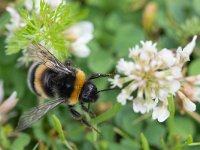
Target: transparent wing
36	113
40	54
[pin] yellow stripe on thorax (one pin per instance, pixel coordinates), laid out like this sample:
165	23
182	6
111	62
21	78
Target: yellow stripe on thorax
38	80
79	82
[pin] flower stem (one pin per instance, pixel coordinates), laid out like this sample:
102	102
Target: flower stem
170	122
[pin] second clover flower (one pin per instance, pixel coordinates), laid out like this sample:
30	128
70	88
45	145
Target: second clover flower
151	77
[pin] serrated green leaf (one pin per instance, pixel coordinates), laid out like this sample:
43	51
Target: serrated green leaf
45	28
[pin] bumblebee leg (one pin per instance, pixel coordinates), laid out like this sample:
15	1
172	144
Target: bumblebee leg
76	115
98	75
84	108
68	62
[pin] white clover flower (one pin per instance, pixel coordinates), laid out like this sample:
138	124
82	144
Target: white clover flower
79	35
35	4
187	103
7	105
182	55
154	75
161	113
16	22
191	88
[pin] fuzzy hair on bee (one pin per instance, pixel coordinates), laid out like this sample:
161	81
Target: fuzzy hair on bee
49	78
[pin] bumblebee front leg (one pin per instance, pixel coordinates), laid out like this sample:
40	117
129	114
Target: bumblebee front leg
84	108
99	75
76	115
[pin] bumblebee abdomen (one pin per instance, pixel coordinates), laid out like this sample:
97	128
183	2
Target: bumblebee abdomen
39	80
31	78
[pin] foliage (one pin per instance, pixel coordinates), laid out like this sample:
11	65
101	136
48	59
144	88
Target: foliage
118	26
48	28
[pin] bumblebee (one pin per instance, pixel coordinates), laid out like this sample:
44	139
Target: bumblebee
49	78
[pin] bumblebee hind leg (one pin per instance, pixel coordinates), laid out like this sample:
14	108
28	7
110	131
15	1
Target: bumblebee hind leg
76	115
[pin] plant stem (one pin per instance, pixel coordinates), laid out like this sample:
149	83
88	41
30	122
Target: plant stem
170	121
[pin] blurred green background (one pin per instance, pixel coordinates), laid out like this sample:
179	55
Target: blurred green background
118	26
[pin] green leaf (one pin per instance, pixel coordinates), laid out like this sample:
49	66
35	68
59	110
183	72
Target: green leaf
113	22
176	9
39	132
58	126
107	115
5	17
59	129
183	127
127	37
163	144
152	128
100	61
194	67
35	147
5	143
125	120
196	4
107	132
132	145
46	28
21	142
189	139
195	144
145	144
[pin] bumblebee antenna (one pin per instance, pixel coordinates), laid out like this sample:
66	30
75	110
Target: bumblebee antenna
105	90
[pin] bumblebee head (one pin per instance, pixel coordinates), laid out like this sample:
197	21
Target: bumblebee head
89	93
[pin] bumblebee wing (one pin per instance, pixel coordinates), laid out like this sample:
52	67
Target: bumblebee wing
40	54
36	113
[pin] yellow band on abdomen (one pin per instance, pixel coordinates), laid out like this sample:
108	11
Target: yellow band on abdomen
78	85
38	80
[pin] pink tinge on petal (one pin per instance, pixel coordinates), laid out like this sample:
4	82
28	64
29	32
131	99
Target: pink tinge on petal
189	105
8	104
